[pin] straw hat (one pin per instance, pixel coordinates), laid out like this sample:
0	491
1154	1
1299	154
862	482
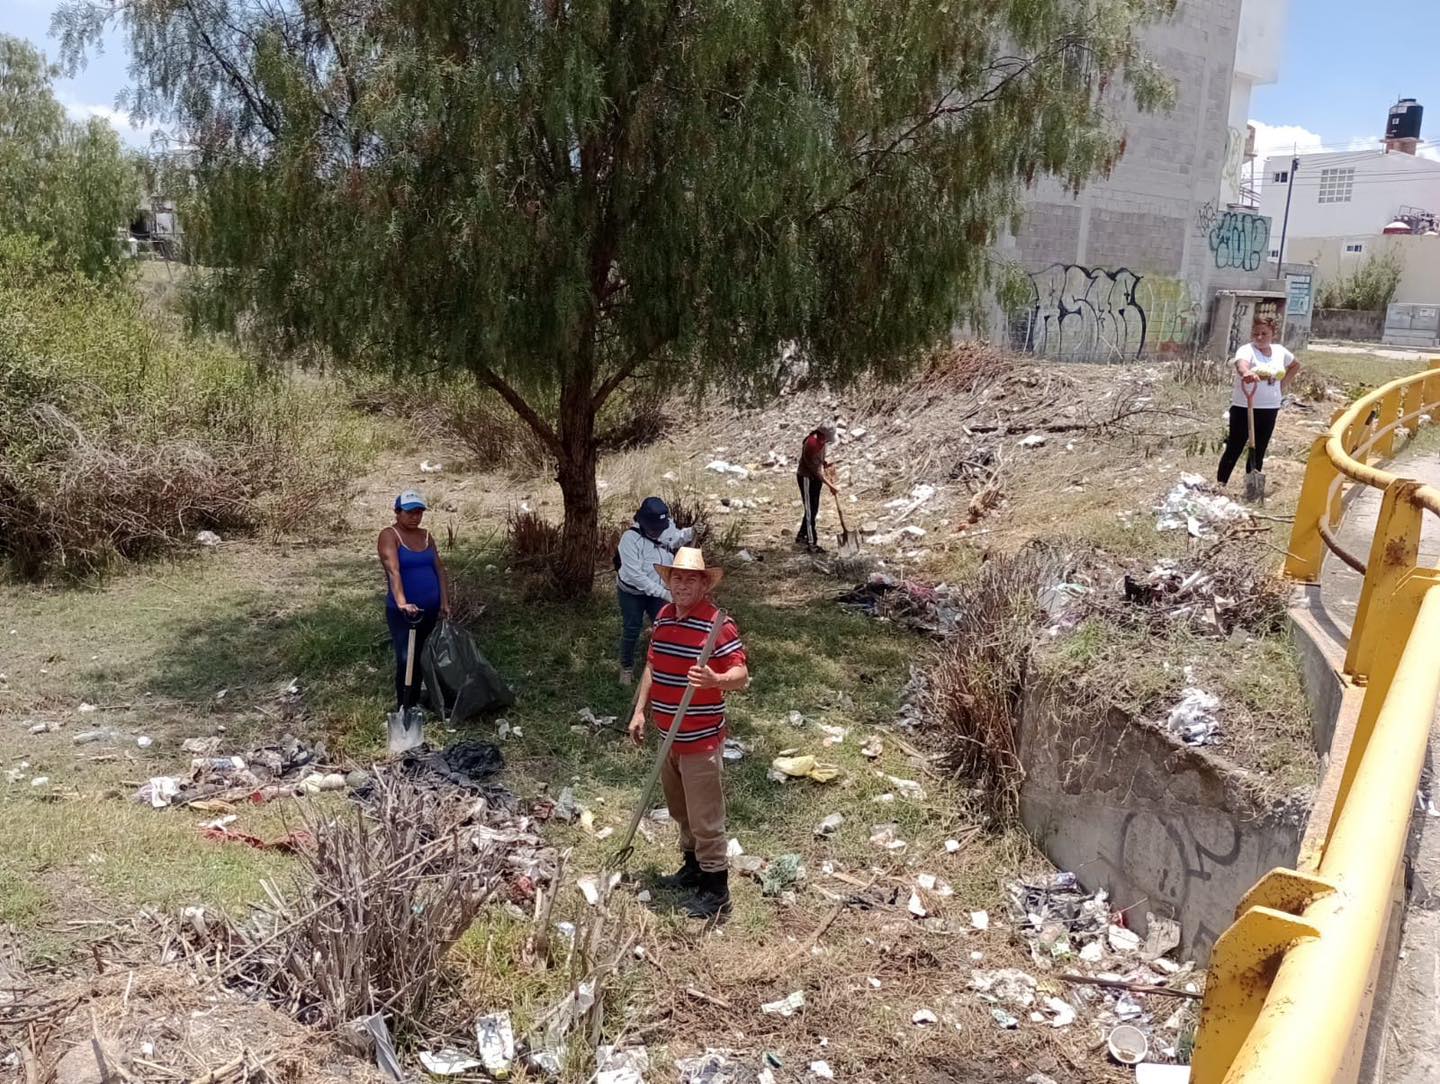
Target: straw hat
689	559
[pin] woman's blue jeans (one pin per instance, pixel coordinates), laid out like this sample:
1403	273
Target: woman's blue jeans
633	610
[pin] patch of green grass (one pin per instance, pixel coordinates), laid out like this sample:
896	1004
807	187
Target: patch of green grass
1357	372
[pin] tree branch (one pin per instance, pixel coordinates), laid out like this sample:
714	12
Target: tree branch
497	383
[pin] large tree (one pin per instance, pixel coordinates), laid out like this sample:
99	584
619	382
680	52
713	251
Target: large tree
565	196
70	185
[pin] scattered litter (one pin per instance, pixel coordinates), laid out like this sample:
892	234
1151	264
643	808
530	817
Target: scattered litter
822	1070
1193	720
786	1006
924	1017
834	735
1005	985
719	466
160	791
1150	1072
220	823
733	849
952	846
201	747
86	708
917	905
908	788
796	719
1092	952
745	557
40	781
1034	440
207	538
448	1062
829	826
617	1066
1162	935
926	881
785	872
1064	1013
1128	1044
1123	940
599	722
919	607
805	767
39	728
565	807
980	920
883	835
873	747
427	467
1004	1019
734	749
874	983
711	1067
373	1026
144	742
1190	507
496	1039
589	887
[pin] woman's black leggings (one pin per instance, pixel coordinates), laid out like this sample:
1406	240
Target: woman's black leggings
1240	435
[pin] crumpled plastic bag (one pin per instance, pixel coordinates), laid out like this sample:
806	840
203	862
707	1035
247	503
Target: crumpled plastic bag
460	683
805	767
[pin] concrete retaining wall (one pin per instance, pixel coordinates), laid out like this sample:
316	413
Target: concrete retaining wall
1353	324
1165	828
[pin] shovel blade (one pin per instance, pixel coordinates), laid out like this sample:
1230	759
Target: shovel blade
1255	486
406	730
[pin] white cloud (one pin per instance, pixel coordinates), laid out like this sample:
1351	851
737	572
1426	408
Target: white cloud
1275	139
137	135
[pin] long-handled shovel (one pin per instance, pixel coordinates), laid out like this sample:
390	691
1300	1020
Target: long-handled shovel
1254	479
407	723
622	853
844	540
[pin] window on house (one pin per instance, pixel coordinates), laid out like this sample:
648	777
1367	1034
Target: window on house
1354	248
1274	253
1336	185
1280	176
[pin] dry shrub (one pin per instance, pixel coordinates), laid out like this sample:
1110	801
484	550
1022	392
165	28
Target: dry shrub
977	688
532	539
688	510
954	369
1201	372
495	437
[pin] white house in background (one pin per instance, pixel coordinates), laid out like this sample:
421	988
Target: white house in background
1355	195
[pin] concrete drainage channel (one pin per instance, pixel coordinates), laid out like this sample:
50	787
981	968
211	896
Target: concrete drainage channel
1167	829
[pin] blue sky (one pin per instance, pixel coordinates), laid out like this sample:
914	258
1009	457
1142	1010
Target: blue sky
1344	64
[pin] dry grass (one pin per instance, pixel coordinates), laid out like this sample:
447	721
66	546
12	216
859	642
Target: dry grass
977	687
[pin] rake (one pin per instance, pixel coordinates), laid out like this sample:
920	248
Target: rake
621	855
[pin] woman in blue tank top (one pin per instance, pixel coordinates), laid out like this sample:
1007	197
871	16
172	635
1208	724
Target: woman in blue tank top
419	593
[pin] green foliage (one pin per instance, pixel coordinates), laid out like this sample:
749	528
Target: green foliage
562	197
70	185
118	439
1370	288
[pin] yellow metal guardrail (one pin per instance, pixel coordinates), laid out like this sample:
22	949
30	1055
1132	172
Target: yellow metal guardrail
1291	982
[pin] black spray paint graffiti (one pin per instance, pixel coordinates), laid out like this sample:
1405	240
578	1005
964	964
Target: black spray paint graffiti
1240	240
1086	313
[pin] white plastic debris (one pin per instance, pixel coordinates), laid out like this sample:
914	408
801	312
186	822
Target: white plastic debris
829	826
160	791
874	983
1006	985
908	788
40	781
448	1062
1123	940
1193	720
86	708
980	920
733	849
599	722
1188	506
427	467
917	905
207	538
1034	440
1064	1015
924	1017
883	835
144	742
1091	952
952	846
926	881
822	1070
496	1039
873	747
834	735
786	1006
719	466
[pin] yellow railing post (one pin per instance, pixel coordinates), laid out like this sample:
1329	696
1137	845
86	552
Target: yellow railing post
1307	548
1390	411
1394	550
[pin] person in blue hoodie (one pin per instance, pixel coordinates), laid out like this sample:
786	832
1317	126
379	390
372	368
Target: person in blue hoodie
650	540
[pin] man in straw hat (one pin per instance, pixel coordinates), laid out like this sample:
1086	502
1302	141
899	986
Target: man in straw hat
691	774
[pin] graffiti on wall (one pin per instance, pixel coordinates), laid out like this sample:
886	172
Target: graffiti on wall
1230	175
1099	314
1240	240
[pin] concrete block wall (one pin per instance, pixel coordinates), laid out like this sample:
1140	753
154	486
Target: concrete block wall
1157	217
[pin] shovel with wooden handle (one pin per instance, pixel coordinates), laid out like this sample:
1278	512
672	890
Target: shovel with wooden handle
1254	479
844	540
622	853
406	725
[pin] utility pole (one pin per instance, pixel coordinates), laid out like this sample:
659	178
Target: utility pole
1285	224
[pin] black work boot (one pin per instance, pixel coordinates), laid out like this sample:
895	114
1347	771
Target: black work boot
713	898
687	876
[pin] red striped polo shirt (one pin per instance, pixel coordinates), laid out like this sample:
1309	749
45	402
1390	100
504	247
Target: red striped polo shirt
675	646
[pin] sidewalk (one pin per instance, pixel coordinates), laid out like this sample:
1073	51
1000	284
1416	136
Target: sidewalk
1410	1046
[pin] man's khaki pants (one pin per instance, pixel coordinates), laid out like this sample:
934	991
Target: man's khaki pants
695	796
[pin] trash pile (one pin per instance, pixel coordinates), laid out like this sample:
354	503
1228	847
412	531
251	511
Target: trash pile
1194	720
1091	967
289	767
1193	506
924	608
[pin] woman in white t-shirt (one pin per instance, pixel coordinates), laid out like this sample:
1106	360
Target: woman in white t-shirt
1262	369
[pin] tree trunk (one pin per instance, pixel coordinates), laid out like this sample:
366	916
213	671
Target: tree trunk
580	537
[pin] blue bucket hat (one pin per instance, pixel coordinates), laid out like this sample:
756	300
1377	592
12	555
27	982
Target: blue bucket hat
653	517
410	501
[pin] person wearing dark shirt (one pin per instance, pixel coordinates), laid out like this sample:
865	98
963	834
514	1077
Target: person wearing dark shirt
813	475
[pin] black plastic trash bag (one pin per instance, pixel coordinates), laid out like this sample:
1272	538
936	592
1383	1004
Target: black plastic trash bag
460	683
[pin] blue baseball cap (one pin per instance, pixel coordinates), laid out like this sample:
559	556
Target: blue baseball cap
653	516
410	501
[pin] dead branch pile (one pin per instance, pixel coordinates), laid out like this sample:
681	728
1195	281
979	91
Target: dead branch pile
975	692
382	896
